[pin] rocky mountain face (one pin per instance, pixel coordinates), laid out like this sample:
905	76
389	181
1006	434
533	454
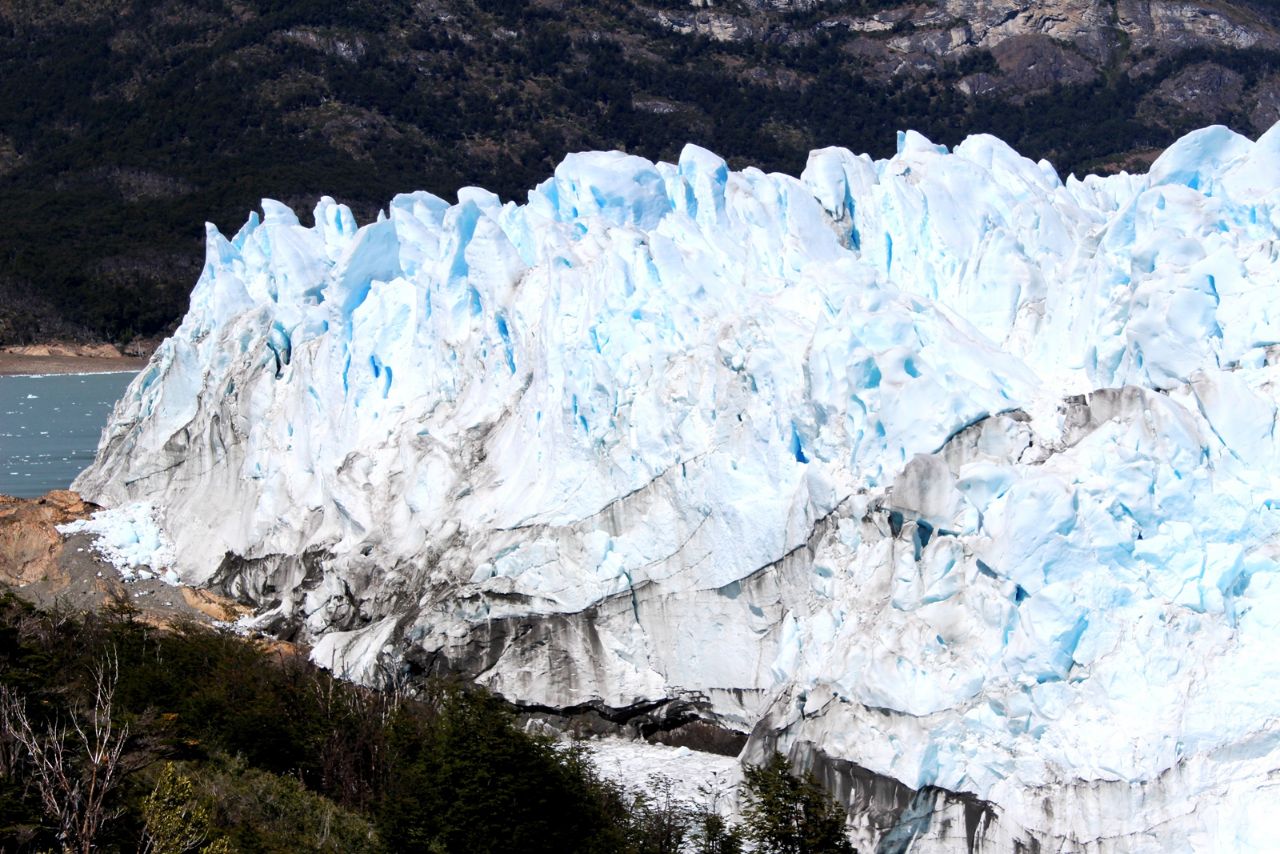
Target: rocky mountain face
1032	47
160	114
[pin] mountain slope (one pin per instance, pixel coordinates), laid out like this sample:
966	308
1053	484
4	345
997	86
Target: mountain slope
935	466
155	115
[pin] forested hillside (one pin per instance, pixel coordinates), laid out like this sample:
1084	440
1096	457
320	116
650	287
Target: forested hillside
126	124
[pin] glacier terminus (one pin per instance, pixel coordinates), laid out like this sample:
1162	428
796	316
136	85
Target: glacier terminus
953	481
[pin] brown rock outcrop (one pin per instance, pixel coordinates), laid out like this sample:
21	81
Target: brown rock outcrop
30	544
43	566
212	605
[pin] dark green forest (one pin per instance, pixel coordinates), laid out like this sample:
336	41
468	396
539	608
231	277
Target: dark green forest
117	735
277	755
127	125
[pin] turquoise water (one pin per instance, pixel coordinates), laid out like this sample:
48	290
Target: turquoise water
50	426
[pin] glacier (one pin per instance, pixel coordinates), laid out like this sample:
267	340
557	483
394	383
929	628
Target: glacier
936	470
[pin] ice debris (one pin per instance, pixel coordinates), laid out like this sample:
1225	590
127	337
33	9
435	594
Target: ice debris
694	780
130	538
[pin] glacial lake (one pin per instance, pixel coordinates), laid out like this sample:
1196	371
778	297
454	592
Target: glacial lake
50	426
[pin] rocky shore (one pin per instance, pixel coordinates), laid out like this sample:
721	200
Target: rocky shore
50	569
70	358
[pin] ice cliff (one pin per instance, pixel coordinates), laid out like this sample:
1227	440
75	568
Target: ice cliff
934	468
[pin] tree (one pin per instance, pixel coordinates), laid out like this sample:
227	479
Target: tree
74	766
176	822
786	814
713	835
660	821
462	777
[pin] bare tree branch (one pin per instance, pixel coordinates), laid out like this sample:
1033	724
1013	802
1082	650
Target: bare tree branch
73	765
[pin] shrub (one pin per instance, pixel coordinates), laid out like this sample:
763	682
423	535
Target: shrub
786	814
176	822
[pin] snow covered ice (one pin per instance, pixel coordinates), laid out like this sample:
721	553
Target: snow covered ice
936	465
693	779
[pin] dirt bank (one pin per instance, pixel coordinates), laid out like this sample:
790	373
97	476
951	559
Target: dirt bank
66	358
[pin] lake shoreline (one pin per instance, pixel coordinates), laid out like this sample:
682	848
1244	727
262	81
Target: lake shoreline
18	364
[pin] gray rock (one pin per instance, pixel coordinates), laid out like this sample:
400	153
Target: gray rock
1205	90
1037	63
1263	103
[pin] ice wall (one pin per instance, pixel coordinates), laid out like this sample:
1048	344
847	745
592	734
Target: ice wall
962	474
